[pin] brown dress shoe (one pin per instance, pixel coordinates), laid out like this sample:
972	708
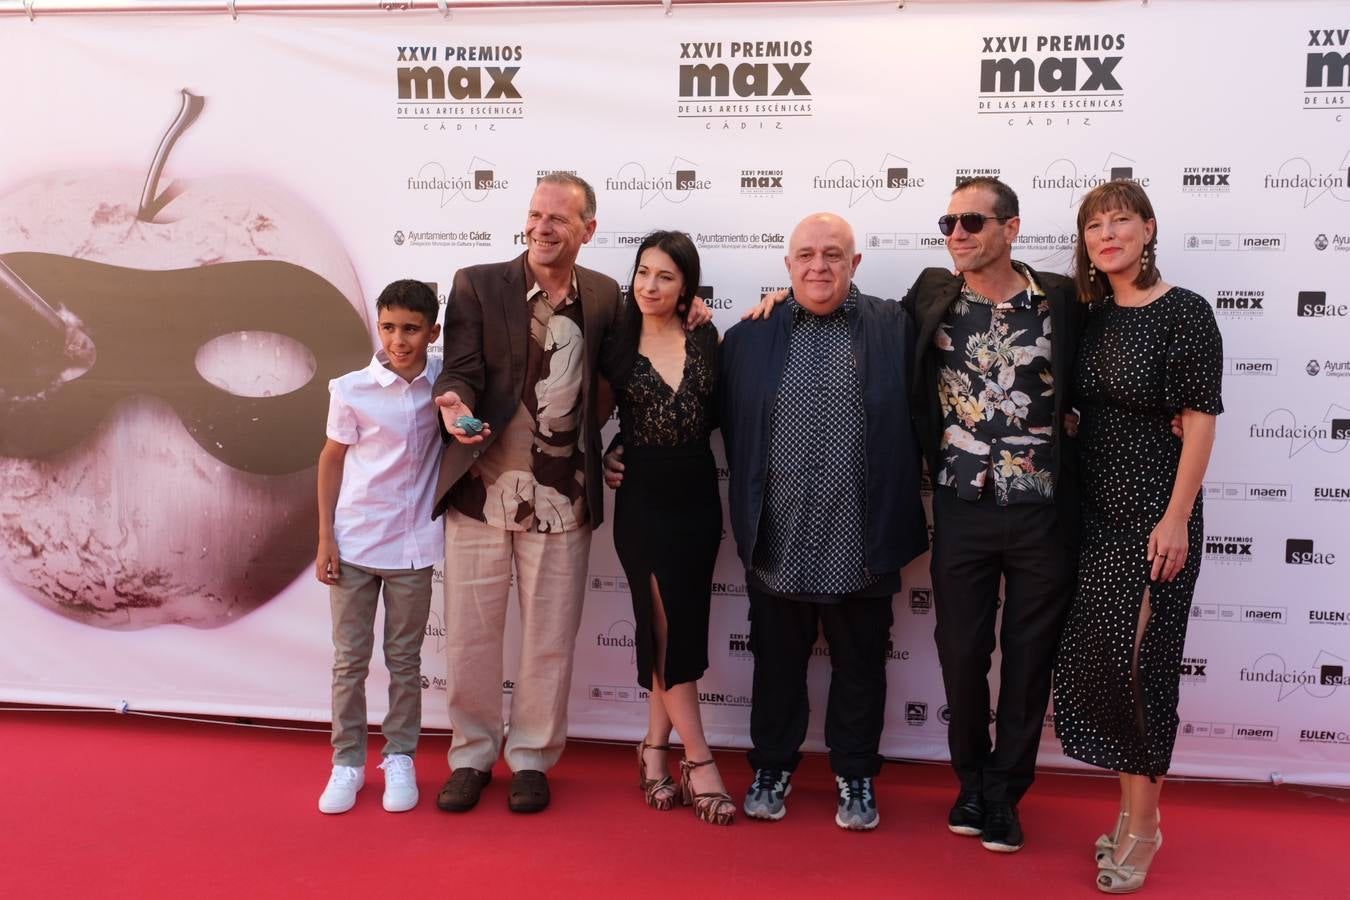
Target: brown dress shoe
461	792
529	792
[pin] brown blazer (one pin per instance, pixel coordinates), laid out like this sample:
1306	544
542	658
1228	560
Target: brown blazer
485	341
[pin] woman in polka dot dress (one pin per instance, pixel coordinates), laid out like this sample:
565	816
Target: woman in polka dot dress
1150	351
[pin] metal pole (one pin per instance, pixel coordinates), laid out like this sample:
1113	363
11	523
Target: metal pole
34	8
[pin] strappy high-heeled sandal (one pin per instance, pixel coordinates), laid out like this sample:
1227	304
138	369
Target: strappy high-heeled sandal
714	807
660	792
1128	876
1106	843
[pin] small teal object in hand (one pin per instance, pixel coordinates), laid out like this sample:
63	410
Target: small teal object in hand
469	425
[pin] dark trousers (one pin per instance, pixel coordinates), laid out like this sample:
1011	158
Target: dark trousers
782	633
974	544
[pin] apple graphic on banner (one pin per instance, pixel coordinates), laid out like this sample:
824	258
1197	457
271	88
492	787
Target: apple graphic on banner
163	389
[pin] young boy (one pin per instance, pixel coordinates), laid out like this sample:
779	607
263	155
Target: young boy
376	477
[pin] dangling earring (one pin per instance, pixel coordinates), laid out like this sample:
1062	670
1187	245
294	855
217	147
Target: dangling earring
1143	260
1092	271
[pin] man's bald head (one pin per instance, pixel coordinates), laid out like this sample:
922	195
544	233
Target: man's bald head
822	257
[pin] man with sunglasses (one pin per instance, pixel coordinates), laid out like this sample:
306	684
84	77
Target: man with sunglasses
996	343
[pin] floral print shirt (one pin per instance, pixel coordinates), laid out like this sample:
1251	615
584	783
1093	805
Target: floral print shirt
532	477
997	396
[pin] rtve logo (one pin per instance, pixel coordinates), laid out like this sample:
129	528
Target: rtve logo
1329	69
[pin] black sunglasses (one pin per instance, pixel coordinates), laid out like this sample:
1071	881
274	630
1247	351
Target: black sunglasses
973	223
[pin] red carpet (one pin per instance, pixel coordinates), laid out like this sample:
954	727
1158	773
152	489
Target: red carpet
96	805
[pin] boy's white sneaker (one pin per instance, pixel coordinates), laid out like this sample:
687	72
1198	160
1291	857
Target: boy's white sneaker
400	783
340	794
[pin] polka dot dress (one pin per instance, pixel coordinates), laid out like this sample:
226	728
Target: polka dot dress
1137	367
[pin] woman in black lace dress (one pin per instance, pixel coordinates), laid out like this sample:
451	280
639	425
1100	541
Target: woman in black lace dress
1149	351
668	514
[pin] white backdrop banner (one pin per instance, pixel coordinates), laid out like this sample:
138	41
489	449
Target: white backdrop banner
218	203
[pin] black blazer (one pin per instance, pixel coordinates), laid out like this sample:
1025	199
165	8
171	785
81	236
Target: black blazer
927	301
753	358
485	341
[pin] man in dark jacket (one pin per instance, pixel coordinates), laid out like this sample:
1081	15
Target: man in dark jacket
991	390
824	503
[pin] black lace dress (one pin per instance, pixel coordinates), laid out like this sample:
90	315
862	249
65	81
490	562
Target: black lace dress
1136	368
668	512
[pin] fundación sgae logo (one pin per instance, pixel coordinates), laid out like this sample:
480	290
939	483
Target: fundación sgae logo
474	183
1330	434
1318	680
1063	176
886	183
1050	73
438	83
1299	177
675	185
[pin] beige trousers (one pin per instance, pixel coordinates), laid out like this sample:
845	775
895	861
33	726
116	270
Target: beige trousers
551	584
353	600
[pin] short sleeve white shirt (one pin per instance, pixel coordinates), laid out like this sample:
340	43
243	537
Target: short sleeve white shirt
383	518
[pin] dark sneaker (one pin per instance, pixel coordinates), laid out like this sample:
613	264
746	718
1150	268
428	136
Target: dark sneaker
460	793
529	792
857	804
766	795
967	815
1002	830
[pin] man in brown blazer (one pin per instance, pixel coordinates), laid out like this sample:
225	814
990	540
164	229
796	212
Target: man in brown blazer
523	344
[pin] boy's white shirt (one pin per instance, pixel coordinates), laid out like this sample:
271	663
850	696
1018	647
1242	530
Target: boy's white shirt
383	518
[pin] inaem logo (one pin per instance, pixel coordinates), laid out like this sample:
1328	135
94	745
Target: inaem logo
920	600
916	713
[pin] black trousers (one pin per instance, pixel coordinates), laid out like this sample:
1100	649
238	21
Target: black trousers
974	544
782	633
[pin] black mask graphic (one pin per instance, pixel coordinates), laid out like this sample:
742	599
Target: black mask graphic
146	328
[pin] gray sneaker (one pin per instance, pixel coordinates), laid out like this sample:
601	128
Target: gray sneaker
857	804
764	799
